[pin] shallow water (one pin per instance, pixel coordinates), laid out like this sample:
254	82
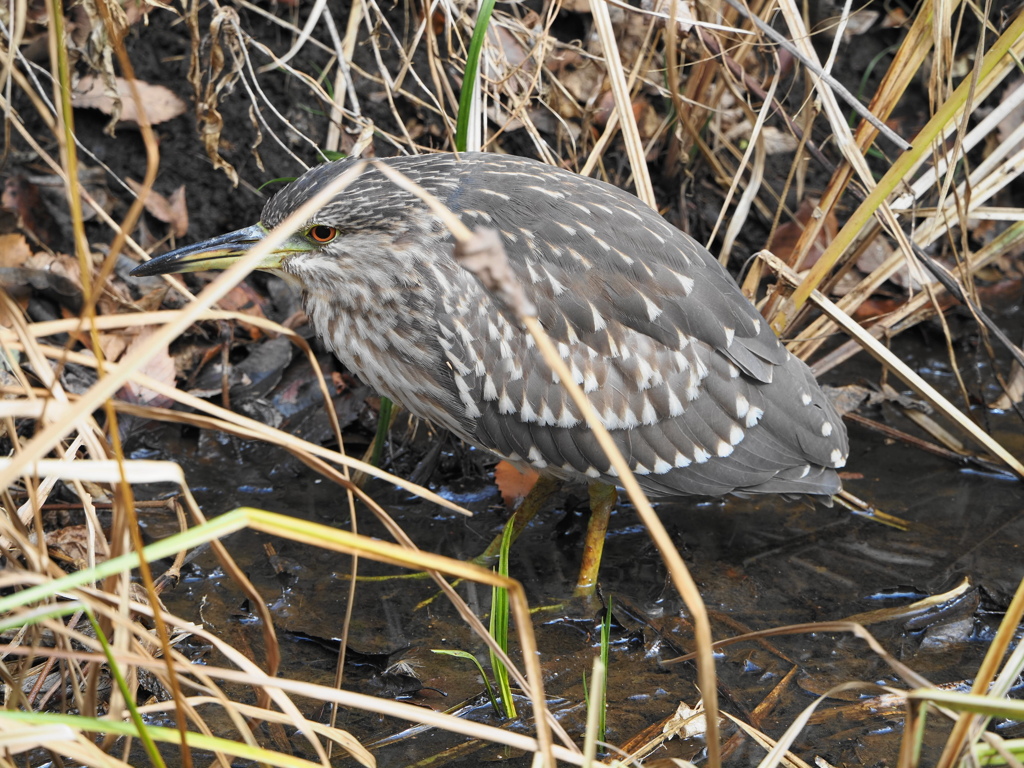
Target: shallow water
760	564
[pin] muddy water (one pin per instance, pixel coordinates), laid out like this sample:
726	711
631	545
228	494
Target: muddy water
760	564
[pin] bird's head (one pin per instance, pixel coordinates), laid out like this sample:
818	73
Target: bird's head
369	223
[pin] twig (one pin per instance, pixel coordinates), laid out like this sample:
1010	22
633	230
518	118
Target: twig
834	84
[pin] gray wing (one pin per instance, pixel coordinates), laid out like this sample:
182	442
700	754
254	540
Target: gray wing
695	388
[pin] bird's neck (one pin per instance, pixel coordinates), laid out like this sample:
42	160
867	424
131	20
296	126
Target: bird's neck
382	326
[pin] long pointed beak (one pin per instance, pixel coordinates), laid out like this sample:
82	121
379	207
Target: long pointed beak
220	253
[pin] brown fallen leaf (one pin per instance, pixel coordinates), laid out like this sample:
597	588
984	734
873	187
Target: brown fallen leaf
875	254
146	237
684	13
582	79
170	210
72	543
14	250
113	345
876	306
776	142
23	198
788	235
159	102
41	200
218	72
179	212
152	301
896	17
160	366
242	298
1015	116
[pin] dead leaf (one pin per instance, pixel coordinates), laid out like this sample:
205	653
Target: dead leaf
242	298
860	23
72	542
41	200
580	76
512	54
210	80
146	237
159	102
508	69
648	121
788	235
875	254
851	397
94	181
23	283
59	263
776	142
896	17
14	250
170	210
25	199
687	723
139	10
876	306
179	212
152	301
113	345
160	366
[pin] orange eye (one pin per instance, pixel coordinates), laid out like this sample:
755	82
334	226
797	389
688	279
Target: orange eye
321	233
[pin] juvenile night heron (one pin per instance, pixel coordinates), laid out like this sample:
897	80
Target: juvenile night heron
694	386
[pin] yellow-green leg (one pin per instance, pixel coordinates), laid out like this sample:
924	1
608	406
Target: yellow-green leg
602	499
528	508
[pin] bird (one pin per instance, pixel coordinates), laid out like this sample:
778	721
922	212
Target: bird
694	386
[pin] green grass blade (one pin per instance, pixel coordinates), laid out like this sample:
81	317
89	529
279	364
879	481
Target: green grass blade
129	701
162	734
499	625
475	660
383	427
172	545
602	693
595	713
476	45
988	756
991	706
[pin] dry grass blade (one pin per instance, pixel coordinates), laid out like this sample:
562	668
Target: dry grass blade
680	574
857	630
634	147
255	429
926	692
334	540
561	84
756	145
991	70
901	369
105	388
919	307
484	268
809	59
957	742
776	754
